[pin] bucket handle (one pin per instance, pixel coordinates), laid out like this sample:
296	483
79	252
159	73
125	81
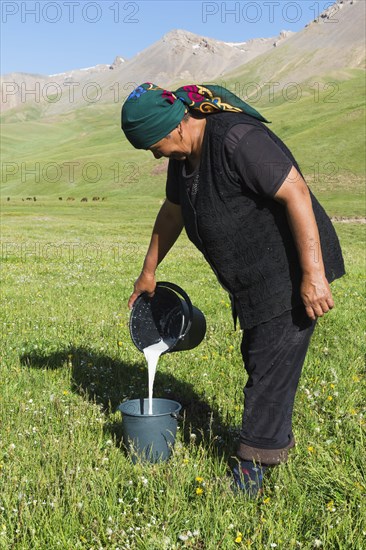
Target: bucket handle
184	295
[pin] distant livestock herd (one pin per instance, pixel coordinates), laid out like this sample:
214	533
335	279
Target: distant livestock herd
84	199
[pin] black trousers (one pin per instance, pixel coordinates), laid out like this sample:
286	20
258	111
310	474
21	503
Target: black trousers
273	354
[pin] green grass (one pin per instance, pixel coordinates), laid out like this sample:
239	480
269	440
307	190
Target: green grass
68	361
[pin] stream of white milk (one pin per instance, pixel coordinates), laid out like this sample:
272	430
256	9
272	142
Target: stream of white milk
152	354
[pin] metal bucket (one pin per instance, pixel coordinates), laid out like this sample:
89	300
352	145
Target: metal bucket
149	437
169	316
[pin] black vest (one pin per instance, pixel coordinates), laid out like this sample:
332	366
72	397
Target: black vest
245	237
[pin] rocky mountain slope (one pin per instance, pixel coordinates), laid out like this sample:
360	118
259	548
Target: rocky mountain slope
335	41
329	45
178	55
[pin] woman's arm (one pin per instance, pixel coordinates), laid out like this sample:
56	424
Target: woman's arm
315	290
167	228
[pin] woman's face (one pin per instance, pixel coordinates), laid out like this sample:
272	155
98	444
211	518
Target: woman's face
171	146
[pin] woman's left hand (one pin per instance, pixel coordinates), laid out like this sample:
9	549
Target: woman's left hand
316	295
315	290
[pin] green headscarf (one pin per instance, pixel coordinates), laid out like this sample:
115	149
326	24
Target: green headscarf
150	112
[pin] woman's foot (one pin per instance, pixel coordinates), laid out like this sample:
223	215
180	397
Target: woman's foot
248	477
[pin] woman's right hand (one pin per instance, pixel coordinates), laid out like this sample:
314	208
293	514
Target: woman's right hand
144	283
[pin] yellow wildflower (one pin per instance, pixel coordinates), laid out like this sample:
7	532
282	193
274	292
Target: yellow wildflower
199	491
199	479
266	500
329	398
239	537
119	343
311	449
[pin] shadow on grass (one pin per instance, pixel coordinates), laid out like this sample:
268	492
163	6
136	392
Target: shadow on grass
109	381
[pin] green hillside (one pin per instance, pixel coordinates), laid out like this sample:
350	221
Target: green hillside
326	124
83	153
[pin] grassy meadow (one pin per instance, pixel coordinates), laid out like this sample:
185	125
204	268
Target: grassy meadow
67	359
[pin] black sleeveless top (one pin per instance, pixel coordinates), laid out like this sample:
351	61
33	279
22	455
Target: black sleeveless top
230	215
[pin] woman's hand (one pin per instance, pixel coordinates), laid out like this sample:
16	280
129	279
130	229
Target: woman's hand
316	295
144	283
315	290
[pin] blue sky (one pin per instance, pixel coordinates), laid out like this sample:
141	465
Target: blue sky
47	37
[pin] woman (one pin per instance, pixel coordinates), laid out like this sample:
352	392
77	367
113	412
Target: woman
239	193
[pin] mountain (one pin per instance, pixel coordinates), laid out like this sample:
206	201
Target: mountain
186	57
19	89
191	57
334	42
331	44
73	146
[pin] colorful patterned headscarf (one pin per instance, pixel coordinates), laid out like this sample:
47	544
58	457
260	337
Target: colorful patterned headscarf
150	112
